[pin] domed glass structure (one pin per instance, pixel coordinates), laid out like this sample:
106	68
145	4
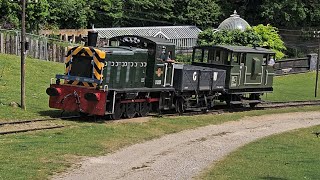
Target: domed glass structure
234	22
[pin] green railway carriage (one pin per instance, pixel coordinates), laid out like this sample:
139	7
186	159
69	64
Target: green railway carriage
247	69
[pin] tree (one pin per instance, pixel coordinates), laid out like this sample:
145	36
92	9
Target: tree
263	36
147	12
9	18
68	14
36	15
270	39
285	13
105	13
229	37
203	13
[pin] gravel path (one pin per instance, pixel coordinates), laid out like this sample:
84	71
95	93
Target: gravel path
183	155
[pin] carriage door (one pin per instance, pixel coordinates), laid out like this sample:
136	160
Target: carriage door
253	70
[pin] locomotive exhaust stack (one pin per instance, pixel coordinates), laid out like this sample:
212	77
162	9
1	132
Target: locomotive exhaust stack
92	38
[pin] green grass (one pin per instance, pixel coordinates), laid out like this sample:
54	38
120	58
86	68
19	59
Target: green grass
37	155
292	155
293	88
38	75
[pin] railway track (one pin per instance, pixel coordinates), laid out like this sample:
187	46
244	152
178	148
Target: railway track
14	127
47	124
221	109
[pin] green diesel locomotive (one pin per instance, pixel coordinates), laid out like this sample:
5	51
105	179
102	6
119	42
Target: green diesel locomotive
138	75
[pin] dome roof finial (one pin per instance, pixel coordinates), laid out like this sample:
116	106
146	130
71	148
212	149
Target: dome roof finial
235	14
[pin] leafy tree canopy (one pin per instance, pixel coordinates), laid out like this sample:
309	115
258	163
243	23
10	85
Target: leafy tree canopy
263	36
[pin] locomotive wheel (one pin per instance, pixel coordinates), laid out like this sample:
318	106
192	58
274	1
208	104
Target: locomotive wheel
83	115
118	111
144	109
130	110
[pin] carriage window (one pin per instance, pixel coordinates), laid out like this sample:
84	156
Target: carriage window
229	58
217	55
235	58
205	56
243	58
197	55
265	58
211	56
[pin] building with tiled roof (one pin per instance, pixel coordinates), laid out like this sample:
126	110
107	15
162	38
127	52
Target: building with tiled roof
184	37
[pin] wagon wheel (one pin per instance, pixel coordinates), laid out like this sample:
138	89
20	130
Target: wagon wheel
130	110
144	109
252	105
118	111
180	108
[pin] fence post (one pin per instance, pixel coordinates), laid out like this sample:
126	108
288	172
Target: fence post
2	43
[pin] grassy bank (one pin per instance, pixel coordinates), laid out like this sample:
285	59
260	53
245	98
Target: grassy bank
38	75
293	88
293	155
36	155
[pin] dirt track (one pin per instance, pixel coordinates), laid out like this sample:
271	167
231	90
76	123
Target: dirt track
184	155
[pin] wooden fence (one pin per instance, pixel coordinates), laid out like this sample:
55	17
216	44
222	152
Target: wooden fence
40	47
298	65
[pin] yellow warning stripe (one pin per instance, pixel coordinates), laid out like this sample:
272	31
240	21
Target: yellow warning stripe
86	51
75	82
86	84
98	76
99	64
75	52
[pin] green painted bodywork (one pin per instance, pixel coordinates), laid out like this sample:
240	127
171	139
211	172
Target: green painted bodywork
125	68
139	67
246	67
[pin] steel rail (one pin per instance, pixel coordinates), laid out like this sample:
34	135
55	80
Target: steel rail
28	130
36	120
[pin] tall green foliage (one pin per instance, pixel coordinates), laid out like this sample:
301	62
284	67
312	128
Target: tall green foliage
47	14
263	36
105	13
285	13
203	13
271	39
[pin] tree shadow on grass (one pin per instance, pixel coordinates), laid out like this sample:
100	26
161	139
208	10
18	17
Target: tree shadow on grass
272	178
